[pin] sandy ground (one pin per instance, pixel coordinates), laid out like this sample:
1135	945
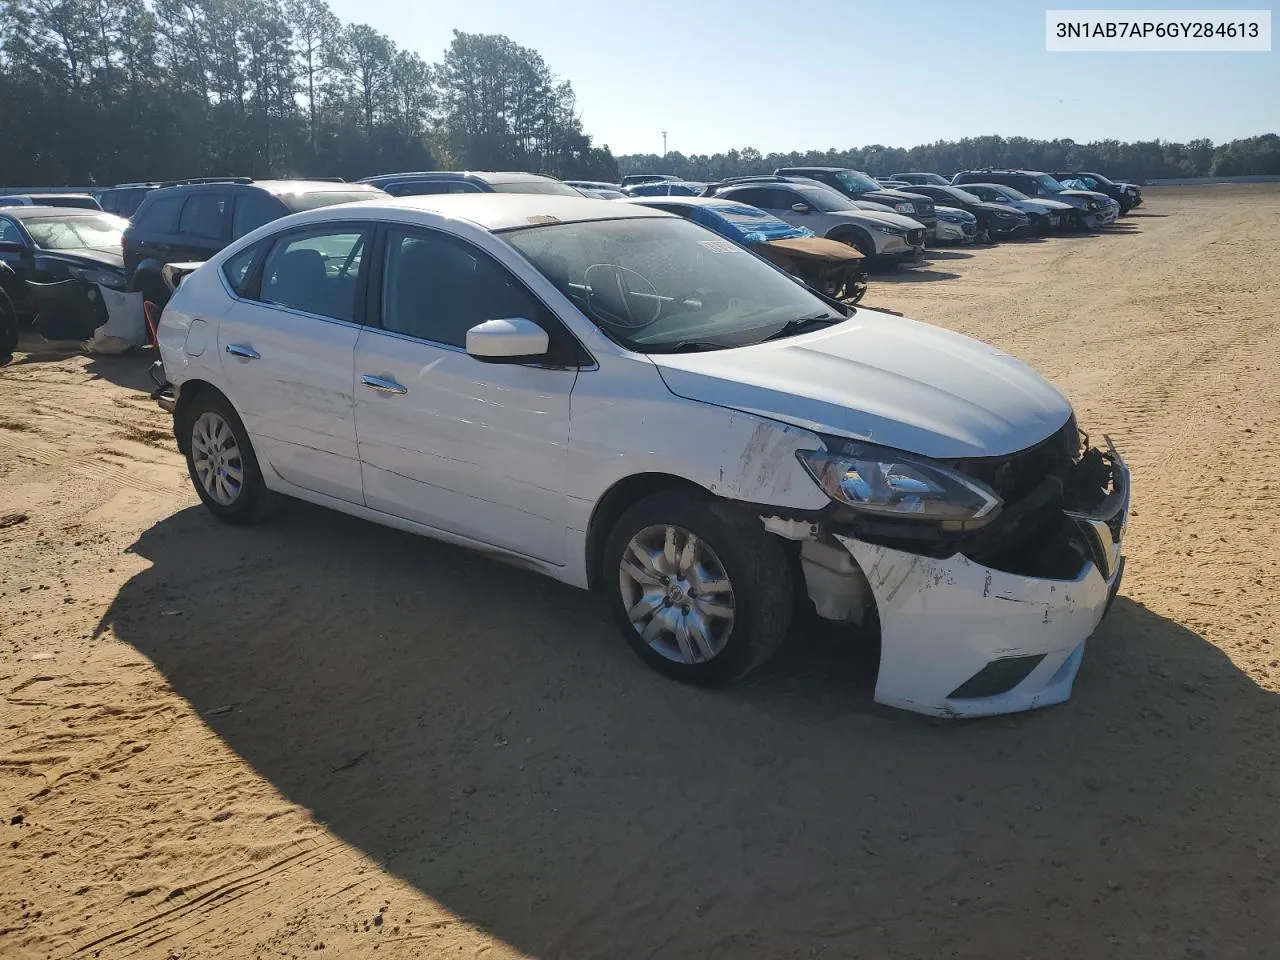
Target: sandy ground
319	737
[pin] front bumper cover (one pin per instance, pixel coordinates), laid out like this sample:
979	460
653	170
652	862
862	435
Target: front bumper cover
960	639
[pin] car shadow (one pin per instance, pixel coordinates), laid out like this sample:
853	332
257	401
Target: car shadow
483	733
1140	215
913	274
126	370
934	254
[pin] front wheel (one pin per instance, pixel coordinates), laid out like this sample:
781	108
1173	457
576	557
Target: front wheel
221	462
700	592
8	329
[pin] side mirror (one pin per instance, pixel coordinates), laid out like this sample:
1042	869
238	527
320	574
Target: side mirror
800	207
507	341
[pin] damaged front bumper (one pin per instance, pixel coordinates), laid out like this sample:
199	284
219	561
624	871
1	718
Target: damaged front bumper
962	639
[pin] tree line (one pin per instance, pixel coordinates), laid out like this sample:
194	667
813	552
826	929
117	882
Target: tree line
1138	161
109	91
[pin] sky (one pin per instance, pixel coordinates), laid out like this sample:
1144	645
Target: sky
718	74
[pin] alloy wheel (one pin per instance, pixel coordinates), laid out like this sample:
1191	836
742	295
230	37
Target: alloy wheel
217	459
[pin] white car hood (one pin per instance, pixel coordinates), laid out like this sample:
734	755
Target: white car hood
1041	206
883	379
872	218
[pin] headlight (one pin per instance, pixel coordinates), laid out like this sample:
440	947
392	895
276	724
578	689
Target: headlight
885	482
91	275
905	207
892	231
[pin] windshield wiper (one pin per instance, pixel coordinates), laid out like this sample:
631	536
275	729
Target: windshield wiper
801	324
687	346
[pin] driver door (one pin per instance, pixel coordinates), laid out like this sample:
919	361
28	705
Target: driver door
472	448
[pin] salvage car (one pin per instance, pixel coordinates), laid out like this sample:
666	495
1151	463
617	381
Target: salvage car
81	201
64	275
1091	209
956	225
1126	194
835	269
1045	215
622	400
995	220
665	188
598	189
195	219
859	186
468	181
801	203
918	179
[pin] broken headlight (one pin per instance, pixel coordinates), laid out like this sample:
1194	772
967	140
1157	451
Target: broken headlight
886	482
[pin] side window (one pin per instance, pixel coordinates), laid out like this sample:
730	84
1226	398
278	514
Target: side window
9	232
315	272
754	196
252	210
159	215
463	186
239	268
780	199
437	288
203	215
417	188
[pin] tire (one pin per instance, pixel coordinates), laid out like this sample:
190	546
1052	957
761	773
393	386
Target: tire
215	439
731	549
8	329
859	241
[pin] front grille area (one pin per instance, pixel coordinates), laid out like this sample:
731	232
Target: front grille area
915	237
1015	476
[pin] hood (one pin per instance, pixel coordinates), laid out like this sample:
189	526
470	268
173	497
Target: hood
882	379
873	218
812	248
956	212
1044	206
988	207
87	257
1086	195
872	206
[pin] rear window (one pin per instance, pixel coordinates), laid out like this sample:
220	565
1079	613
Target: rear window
297	202
203	215
159	214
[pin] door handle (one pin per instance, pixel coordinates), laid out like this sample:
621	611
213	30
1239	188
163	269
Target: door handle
383	385
245	353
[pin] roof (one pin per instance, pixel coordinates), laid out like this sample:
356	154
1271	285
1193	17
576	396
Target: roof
36	212
490	176
309	186
502	211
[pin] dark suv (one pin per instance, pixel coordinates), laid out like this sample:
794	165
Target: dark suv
1125	194
859	186
468	181
194	221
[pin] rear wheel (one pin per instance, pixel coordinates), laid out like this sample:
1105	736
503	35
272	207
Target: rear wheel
221	462
700	592
8	328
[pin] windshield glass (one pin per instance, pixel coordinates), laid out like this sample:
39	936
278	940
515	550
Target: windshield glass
823	199
297	202
857	182
1050	184
755	225
535	186
1098	178
963	195
102	232
1008	193
659	285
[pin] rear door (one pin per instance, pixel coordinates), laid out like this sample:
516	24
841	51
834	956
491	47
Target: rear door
286	349
471	448
204	226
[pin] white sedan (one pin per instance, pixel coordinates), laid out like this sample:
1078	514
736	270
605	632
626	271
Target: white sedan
626	402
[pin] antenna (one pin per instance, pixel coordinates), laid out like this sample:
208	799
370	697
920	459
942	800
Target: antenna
664	144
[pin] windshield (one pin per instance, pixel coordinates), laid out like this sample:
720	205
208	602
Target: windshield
660	285
535	186
857	182
755	225
823	199
297	202
102	232
963	195
1008	193
1050	184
